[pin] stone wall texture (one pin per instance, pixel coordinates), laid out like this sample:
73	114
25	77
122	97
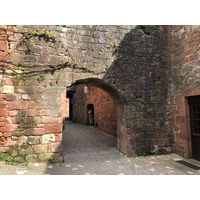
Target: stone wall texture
184	82
142	68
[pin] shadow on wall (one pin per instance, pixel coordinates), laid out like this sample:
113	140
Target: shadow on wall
139	72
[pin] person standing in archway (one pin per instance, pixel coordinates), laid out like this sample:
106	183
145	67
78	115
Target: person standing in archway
90	117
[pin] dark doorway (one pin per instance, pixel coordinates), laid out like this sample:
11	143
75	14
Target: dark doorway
194	103
70	93
90	114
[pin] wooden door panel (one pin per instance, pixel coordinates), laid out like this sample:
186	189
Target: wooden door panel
194	103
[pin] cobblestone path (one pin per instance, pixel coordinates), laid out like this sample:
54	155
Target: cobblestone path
88	151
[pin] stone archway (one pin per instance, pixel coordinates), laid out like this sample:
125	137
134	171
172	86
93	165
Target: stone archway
123	139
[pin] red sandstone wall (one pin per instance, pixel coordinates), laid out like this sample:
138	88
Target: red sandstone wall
24	118
184	77
105	109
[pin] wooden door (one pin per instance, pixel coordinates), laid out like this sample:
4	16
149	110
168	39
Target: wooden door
194	103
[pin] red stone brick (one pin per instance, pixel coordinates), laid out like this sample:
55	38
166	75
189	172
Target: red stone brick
18	105
9	81
2	139
9	127
32	112
3	103
32	105
2	96
7	134
37	120
40	125
38	131
22	140
45	112
9	143
9	120
194	37
53	128
187	52
2	119
2	123
13	113
59	137
3	112
198	48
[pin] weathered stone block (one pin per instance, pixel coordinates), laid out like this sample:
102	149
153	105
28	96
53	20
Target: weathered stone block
22	140
32	112
13	113
32	105
49	120
55	60
7	89
55	113
34	131
36	49
31	58
4	149
34	139
55	147
37	120
56	90
26	97
52	157
29	90
17	105
53	128
9	81
12	97
44	112
9	120
45	139
39	148
26	150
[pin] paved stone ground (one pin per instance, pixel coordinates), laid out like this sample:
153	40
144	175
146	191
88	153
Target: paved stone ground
88	151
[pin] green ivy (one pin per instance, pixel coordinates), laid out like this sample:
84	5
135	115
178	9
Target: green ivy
26	162
9	161
40	79
149	110
23	77
140	100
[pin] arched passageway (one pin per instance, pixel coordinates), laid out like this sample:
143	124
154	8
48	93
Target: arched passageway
95	107
108	108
